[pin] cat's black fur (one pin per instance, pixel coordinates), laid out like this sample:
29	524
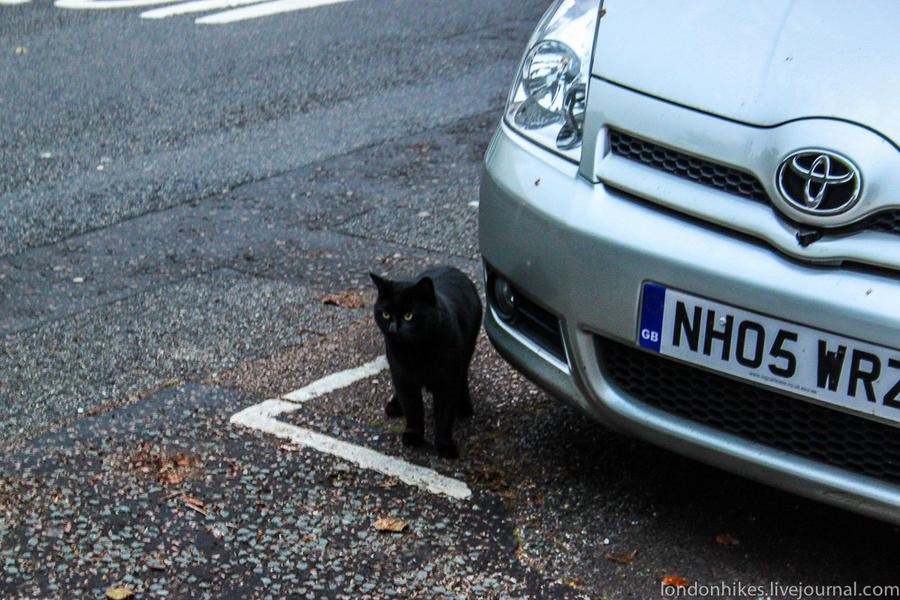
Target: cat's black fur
430	326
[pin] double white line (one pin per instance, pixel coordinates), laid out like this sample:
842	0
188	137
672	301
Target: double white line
248	9
263	417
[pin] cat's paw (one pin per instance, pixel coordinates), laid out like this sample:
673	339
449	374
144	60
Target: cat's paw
412	438
393	408
447	450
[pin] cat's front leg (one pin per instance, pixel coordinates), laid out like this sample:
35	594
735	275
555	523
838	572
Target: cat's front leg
445	409
409	399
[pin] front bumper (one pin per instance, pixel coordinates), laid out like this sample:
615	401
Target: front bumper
582	252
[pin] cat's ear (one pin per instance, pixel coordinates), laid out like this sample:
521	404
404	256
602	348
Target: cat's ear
424	290
385	287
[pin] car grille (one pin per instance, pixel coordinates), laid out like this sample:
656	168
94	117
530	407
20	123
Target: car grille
726	179
698	170
887	222
808	430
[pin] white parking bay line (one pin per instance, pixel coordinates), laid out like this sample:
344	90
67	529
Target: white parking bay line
262	417
262	10
193	7
337	381
106	4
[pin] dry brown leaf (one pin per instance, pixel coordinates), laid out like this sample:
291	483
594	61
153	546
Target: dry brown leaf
344	300
319	253
391	525
166	468
675	581
195	505
191	500
725	539
622	559
119	593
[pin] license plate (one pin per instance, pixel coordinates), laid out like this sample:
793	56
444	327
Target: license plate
804	361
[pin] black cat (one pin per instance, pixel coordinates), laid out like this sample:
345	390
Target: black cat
430	326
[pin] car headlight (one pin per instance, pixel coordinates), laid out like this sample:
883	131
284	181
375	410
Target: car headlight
546	103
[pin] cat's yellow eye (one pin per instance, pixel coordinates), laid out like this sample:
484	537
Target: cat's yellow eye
386	316
408	316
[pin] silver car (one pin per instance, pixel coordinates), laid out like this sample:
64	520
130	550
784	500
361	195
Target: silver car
690	225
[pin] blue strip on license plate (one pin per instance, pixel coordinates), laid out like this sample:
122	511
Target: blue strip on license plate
804	361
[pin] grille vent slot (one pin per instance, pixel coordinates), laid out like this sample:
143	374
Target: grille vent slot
725	179
766	417
698	170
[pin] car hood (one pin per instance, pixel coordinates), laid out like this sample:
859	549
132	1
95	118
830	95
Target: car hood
764	62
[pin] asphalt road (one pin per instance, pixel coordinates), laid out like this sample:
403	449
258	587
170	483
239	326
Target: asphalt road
177	203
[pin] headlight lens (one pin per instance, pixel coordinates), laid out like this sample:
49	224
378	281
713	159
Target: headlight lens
546	103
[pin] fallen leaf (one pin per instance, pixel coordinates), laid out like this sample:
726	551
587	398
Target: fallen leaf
622	559
391	525
195	505
171	469
674	581
119	593
21	50
344	300
319	253
191	500
725	539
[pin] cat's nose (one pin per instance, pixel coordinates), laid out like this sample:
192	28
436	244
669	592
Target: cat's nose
392	328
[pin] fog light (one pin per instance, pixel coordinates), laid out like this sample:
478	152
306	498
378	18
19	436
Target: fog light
504	299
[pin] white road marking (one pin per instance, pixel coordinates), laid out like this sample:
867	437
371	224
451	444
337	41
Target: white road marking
256	8
262	10
263	417
11	2
106	4
337	381
193	7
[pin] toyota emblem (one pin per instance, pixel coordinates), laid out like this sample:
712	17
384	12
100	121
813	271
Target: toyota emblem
818	182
